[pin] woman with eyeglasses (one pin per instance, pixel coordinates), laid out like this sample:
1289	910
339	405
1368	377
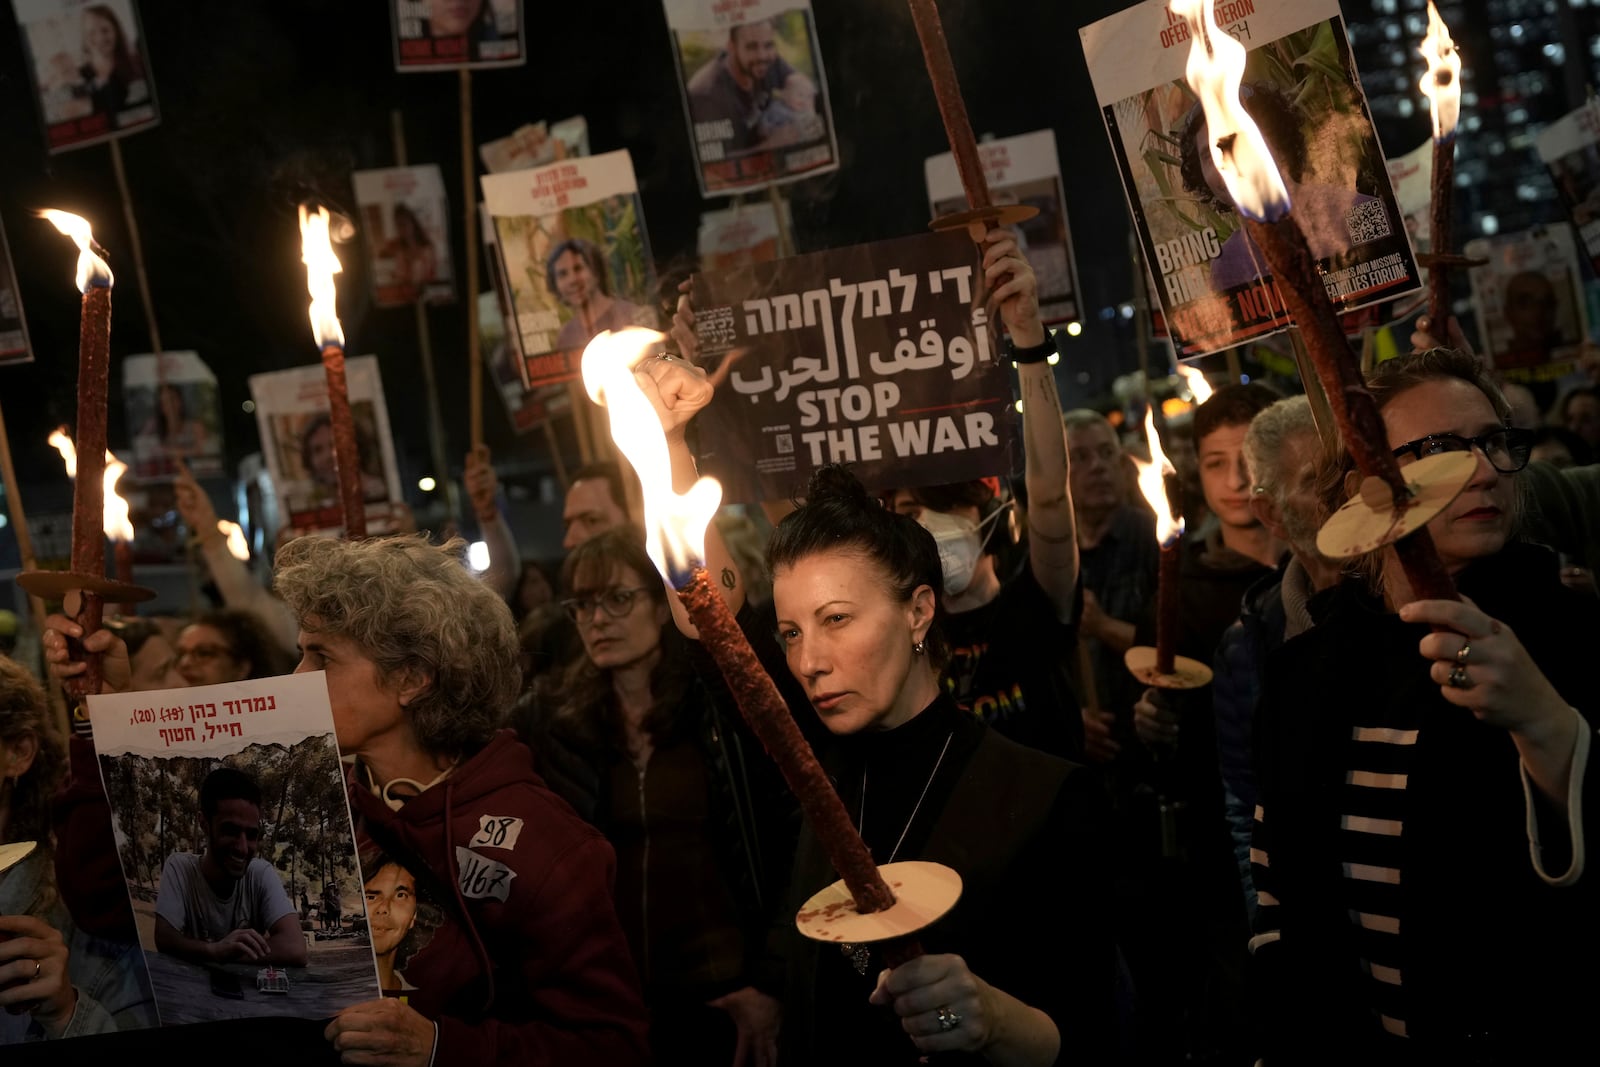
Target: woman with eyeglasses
1419	844
227	646
641	736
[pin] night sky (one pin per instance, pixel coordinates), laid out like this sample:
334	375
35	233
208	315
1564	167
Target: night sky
263	103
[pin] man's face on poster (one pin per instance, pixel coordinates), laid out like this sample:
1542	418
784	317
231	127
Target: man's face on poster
451	18
391	907
575	282
1208	167
324	468
233	834
753	49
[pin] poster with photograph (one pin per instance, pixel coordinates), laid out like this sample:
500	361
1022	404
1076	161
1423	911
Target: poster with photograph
575	257
1022	170
536	144
14	346
1570	147
450	34
526	408
754	92
1529	301
90	69
877	355
297	440
173	415
407	222
239	785
1300	85
740	235
1412	178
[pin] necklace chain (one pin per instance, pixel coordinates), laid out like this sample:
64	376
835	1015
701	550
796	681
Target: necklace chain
861	815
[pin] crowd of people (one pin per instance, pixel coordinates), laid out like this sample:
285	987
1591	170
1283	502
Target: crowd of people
1364	841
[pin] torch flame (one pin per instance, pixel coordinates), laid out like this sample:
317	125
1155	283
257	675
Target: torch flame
1198	386
238	547
1240	153
69	453
1153	483
1442	82
674	523
114	518
92	270
316	252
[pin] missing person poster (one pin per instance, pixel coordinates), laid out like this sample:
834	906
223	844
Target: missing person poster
739	236
878	355
753	90
1570	147
14	346
1529	300
450	34
575	257
1412	178
1300	86
536	144
90	69
406	220
1022	170
526	408
173	415
238	786
297	440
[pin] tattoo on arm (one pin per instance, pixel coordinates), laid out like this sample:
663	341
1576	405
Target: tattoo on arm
729	579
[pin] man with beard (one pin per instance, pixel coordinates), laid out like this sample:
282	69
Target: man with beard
731	98
225	905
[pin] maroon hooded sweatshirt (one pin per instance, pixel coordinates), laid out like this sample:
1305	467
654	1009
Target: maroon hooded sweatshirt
515	950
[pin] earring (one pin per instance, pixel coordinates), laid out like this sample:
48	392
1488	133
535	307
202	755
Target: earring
919	648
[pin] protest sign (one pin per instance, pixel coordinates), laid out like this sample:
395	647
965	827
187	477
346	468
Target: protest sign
14	346
1022	170
449	34
1529	301
536	144
1300	86
239	781
297	441
171	401
1412	178
739	235
525	407
1570	147
90	69
406	219
753	88
574	255
876	355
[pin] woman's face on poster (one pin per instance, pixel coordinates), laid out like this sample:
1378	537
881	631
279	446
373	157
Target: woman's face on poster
99	35
575	282
451	18
324	469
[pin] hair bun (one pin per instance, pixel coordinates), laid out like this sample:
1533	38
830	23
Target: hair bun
834	483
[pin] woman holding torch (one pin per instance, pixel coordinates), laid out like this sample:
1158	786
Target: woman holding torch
1420	844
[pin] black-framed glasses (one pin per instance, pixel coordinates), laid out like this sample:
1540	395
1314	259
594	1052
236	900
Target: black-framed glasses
1507	449
614	602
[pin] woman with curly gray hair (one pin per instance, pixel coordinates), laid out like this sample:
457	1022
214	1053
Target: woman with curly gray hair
529	964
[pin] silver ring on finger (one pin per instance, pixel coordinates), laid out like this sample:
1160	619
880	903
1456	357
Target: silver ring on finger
1458	678
38	967
948	1018
1465	651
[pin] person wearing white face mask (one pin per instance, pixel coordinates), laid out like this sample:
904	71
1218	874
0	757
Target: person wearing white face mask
1010	642
1012	635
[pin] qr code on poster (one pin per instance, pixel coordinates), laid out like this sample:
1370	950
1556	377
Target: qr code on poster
1367	222
783	443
